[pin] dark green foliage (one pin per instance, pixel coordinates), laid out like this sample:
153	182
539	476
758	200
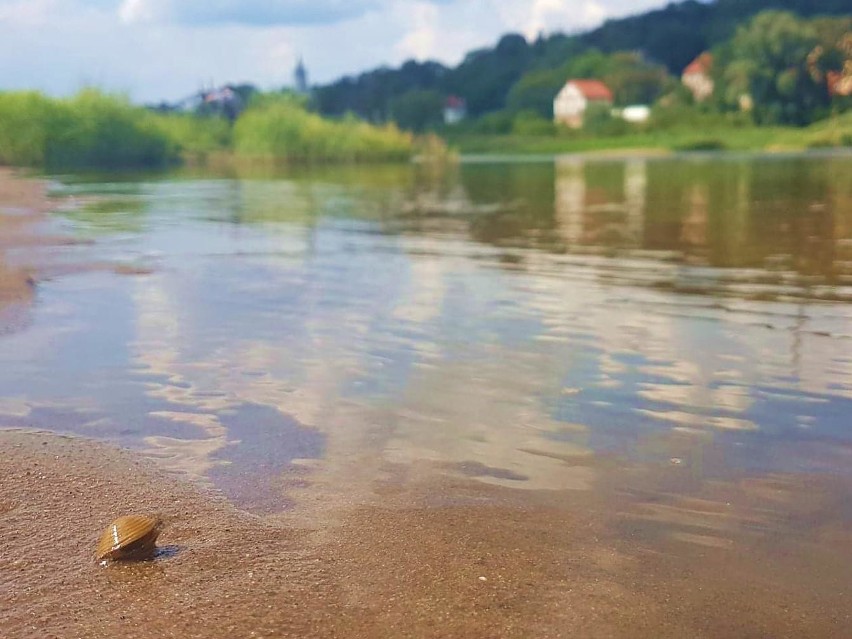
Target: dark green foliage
535	91
674	35
768	59
701	144
485	77
531	123
370	93
418	110
496	122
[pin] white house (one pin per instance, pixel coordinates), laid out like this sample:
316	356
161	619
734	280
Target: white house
570	104
455	109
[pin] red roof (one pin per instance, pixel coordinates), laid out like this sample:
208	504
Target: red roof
593	89
701	64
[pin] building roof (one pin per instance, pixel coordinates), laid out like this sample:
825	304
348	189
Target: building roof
702	64
838	84
454	102
593	89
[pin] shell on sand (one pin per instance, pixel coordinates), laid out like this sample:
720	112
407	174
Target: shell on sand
129	537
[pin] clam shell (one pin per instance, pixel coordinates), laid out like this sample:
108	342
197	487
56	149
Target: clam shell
129	537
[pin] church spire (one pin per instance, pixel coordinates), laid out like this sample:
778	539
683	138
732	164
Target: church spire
300	77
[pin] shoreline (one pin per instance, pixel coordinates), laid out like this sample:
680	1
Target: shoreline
651	154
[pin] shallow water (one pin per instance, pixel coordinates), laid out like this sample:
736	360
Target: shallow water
512	322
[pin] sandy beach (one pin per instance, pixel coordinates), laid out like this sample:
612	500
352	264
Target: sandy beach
414	552
482	563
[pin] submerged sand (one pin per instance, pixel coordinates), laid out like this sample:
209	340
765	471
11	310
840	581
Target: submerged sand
23	203
418	552
436	559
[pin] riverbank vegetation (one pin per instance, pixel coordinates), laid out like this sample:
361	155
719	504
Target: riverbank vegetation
277	128
778	80
88	130
685	130
97	130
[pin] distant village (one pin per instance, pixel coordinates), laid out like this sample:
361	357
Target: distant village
581	84
228	100
579	96
569	105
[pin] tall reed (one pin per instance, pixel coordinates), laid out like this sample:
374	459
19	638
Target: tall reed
91	129
282	130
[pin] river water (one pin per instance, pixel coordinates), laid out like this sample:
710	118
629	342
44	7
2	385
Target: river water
514	322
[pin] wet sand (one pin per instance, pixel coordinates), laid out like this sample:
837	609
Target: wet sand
23	203
432	558
29	245
410	550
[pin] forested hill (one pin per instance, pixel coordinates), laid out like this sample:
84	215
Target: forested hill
670	37
674	35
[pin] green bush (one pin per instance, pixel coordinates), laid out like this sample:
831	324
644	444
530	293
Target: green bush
496	122
598	120
95	130
701	144
192	134
282	130
24	127
531	123
89	130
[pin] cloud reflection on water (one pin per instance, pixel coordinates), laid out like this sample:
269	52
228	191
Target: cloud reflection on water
513	324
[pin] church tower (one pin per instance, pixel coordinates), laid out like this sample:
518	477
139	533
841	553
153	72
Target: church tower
300	77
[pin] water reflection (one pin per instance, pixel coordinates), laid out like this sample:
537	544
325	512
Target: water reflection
590	213
515	323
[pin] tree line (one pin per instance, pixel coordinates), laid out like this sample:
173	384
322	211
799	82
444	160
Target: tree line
761	48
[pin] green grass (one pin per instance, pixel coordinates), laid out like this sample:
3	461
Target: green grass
712	134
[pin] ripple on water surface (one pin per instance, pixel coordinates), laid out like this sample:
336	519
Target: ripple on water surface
516	324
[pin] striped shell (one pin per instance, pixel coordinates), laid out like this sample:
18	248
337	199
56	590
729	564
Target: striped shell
129	537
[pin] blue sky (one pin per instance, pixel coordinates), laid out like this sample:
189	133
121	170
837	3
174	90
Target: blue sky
166	49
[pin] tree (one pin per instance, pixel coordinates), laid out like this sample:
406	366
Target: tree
485	76
535	92
769	59
635	81
418	109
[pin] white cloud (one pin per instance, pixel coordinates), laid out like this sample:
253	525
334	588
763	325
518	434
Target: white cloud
245	12
132	11
419	41
165	49
547	16
30	14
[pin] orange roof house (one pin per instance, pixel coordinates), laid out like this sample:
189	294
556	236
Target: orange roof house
570	104
696	76
839	83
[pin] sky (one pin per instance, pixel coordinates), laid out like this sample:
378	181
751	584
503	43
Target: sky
156	50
